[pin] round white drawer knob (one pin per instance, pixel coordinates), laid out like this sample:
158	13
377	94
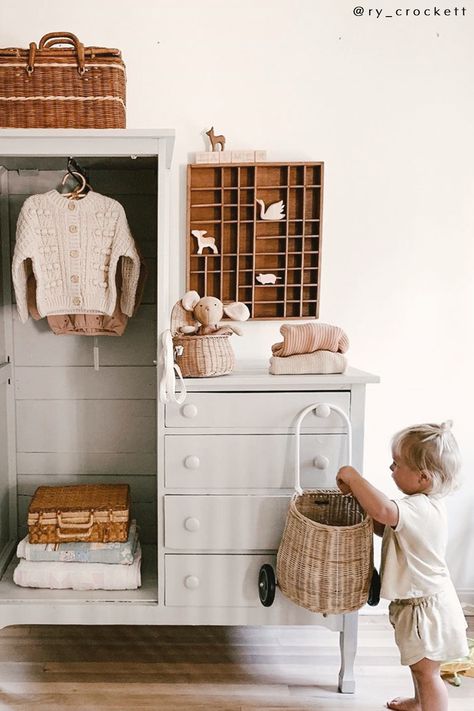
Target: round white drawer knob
190	411
192	524
191	582
322	410
321	462
192	462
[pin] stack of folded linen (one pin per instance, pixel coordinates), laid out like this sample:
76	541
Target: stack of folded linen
80	565
309	348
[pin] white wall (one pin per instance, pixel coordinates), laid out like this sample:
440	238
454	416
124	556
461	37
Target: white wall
388	105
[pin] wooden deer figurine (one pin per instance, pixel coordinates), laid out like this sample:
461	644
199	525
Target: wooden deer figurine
215	140
204	241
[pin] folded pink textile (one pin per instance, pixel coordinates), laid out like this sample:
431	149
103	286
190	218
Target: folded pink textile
79	576
319	362
310	337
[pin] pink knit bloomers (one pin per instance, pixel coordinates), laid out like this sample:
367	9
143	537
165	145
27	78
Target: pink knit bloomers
310	337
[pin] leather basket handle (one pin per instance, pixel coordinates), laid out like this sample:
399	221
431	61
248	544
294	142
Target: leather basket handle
64	523
31	59
59	38
53	38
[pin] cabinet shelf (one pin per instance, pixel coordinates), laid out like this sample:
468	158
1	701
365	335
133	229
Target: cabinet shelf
283	186
146	593
223	204
226	254
222	199
297	301
279	301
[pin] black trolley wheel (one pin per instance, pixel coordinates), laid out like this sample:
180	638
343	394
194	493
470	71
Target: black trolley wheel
374	590
266	585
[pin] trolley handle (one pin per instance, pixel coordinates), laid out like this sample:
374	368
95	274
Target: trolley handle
322	409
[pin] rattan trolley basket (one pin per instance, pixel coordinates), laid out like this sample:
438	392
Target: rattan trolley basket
325	559
66	86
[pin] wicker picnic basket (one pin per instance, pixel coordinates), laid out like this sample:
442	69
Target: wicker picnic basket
325	558
98	513
70	86
200	356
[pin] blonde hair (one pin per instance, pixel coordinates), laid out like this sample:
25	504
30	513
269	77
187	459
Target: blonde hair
432	449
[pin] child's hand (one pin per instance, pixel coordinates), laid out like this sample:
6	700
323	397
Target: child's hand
343	479
344	488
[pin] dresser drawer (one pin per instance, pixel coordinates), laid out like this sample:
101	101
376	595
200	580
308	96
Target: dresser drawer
224	523
257	410
213	580
252	461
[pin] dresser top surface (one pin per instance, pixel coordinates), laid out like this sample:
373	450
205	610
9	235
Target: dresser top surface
254	375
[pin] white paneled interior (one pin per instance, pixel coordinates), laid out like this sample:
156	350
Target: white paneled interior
75	424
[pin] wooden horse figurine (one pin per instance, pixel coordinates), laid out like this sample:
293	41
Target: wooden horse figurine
215	140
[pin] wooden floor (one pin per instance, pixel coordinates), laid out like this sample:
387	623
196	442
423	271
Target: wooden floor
48	668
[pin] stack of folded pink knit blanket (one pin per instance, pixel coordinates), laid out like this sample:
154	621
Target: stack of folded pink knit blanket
310	348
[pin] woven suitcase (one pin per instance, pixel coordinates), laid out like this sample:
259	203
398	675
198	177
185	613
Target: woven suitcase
70	86
98	513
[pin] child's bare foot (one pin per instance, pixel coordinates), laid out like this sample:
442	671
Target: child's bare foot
399	704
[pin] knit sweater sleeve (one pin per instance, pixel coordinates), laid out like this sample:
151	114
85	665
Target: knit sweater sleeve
130	265
24	249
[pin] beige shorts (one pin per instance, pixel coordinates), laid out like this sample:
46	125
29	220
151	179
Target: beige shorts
430	627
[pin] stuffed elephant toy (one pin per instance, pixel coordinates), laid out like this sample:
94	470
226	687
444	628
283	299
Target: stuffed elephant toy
208	312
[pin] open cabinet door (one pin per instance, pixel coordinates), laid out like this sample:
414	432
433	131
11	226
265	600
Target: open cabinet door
4	453
7	514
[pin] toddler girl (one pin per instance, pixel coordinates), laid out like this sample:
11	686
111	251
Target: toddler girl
424	611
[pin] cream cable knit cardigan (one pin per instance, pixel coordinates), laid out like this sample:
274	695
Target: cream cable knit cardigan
74	246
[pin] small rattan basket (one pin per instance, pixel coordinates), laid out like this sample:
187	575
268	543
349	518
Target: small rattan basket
200	356
204	356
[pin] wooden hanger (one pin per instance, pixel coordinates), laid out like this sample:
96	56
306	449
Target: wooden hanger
78	192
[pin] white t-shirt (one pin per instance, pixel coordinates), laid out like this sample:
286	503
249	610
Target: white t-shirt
413	553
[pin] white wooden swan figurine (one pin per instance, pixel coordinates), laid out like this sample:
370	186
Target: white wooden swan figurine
273	211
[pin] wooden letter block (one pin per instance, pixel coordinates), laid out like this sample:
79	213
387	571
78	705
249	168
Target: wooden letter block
225	156
207	157
248	156
237	156
243	156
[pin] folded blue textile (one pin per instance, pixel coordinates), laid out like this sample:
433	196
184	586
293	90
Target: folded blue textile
82	552
80	576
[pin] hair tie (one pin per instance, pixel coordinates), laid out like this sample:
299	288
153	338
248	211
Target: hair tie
446	426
